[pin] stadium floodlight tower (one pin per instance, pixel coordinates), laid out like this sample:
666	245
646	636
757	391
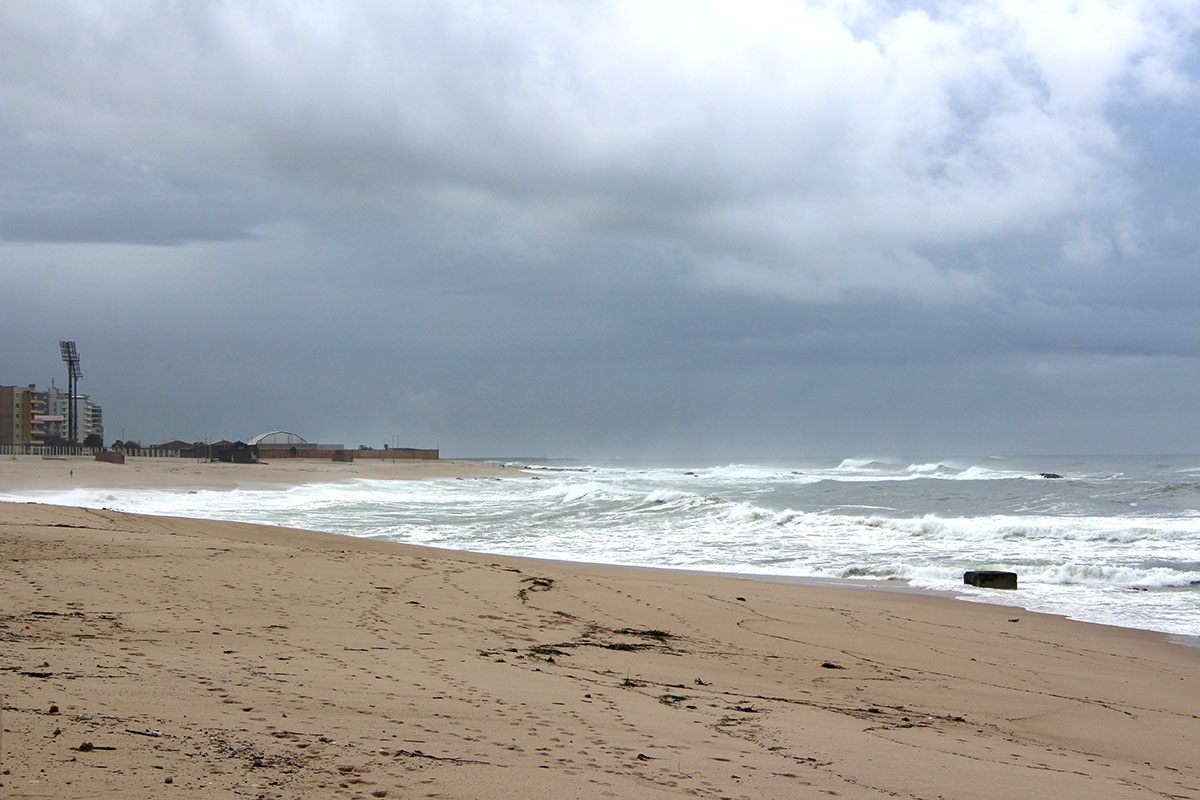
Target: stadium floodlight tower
71	357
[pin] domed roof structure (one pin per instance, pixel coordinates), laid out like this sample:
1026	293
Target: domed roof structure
284	438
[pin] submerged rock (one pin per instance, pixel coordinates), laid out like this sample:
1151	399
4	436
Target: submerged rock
991	579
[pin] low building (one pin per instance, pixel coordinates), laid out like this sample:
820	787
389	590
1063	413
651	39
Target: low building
285	444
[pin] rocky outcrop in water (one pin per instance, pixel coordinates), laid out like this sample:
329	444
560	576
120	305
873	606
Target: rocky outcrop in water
990	579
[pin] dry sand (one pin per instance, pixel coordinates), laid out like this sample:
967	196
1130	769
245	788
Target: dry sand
154	657
35	472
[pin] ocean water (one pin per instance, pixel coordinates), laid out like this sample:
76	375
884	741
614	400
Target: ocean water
1114	540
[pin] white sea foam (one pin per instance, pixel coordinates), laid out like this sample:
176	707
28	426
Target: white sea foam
745	512
1101	575
1044	529
574	493
926	469
661	496
859	464
861	470
743	473
978	473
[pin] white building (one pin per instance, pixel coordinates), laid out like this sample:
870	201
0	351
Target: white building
91	416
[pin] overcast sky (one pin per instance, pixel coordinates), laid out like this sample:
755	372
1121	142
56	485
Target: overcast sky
594	229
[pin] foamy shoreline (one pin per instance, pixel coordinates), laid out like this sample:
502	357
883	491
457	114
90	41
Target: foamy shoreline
466	517
281	663
48	474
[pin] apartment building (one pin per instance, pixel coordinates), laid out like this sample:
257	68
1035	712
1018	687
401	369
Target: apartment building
28	416
16	414
91	415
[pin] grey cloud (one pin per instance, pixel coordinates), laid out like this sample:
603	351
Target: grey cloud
510	217
901	137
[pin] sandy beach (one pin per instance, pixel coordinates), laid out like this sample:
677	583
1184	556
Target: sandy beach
35	472
148	656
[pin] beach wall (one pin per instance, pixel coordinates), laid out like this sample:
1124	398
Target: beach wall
394	453
397	452
47	450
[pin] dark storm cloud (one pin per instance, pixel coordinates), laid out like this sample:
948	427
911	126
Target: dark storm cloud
659	218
